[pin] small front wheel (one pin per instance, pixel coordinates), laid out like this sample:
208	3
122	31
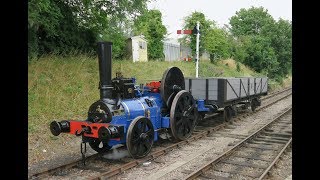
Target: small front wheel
140	137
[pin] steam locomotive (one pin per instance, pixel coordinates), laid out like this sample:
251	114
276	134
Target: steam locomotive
135	116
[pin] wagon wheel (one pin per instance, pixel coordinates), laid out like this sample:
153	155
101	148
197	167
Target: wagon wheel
172	81
254	104
140	137
99	146
227	113
200	117
183	115
234	110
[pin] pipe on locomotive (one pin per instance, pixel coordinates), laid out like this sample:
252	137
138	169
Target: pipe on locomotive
104	51
105	69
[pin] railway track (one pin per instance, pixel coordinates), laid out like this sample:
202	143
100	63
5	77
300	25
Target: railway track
130	163
276	93
265	146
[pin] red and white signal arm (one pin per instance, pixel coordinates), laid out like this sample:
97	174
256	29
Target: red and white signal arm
184	31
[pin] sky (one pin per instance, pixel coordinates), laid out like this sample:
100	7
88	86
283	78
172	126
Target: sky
173	11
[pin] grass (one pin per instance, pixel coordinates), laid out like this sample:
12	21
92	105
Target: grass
64	88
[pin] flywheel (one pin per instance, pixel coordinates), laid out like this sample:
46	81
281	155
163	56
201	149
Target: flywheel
172	82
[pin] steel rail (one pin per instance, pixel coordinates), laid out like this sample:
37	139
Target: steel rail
207	166
276	93
275	160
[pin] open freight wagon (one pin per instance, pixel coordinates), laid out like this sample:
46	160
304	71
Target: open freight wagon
215	93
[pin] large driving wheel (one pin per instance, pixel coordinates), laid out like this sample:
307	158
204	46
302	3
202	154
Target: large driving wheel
140	137
183	115
99	146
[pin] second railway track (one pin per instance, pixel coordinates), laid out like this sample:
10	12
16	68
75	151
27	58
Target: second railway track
253	157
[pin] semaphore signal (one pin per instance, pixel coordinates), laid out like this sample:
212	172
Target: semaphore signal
196	30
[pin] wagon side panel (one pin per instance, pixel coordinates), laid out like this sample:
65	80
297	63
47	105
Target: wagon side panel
213	89
198	88
187	84
251	86
232	88
264	85
244	87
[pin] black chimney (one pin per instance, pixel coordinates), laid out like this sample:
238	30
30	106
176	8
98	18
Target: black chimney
105	67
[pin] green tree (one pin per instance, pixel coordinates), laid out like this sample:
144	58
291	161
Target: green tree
109	19
52	27
261	42
64	26
69	36
118	38
252	21
97	15
216	43
189	23
150	25
261	56
238	47
282	44
42	16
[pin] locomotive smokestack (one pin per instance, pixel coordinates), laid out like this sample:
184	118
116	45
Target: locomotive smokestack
105	67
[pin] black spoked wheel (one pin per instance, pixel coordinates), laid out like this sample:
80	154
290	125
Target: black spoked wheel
140	137
254	104
172	77
183	115
170	99
227	113
99	146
